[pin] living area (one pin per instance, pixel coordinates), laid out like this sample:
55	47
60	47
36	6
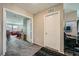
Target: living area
18	32
71	29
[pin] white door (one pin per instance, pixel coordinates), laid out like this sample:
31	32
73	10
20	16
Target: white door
52	31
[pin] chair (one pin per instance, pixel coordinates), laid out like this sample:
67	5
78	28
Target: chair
76	50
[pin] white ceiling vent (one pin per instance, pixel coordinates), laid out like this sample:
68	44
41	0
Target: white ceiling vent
50	10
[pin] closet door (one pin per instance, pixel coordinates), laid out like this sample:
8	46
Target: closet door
52	31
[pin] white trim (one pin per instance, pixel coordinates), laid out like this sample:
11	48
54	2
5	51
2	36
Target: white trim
4	25
16	12
4	32
32	30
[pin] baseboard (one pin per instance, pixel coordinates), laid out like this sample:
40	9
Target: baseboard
51	48
38	45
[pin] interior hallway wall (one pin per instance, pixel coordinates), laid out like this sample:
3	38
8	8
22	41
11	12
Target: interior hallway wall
12	7
72	17
39	26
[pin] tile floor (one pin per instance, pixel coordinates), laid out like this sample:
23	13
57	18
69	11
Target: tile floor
16	47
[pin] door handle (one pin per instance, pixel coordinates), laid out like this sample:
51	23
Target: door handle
45	33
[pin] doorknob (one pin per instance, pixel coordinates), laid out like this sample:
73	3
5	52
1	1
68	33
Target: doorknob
45	33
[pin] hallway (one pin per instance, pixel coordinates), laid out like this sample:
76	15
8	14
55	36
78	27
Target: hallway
16	47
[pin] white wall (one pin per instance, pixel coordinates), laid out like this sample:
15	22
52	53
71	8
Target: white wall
15	21
27	29
73	25
72	18
25	26
14	18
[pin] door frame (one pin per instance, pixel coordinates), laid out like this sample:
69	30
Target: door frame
44	24
4	25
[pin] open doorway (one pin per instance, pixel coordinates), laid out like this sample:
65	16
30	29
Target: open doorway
71	37
17	31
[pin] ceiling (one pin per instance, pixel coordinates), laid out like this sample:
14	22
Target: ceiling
36	7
